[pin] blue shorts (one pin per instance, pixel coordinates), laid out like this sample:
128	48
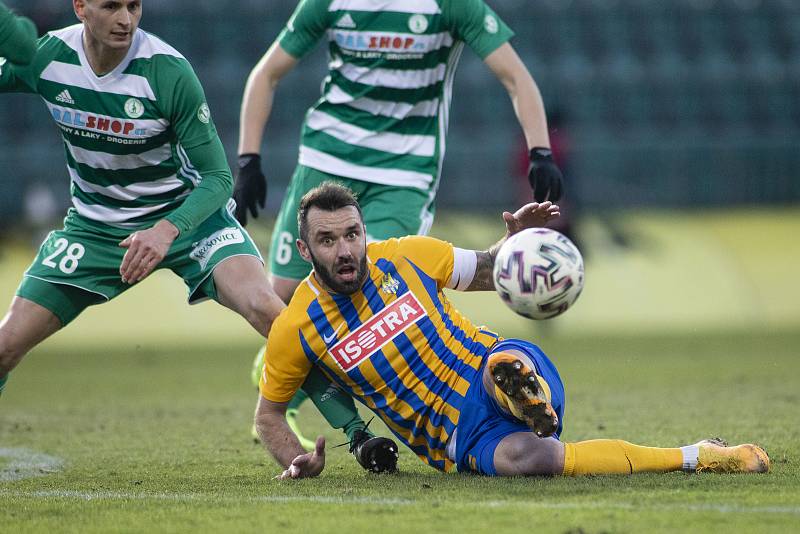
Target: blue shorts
483	424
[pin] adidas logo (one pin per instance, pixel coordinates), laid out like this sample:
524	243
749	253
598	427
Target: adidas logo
65	97
346	22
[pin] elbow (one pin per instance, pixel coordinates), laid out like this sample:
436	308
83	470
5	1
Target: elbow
262	421
261	426
262	76
267	418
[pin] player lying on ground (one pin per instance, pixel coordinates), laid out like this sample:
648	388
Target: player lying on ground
379	128
375	319
149	180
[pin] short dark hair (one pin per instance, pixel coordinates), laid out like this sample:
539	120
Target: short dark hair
327	196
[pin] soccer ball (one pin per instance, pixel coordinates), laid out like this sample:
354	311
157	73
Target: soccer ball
538	273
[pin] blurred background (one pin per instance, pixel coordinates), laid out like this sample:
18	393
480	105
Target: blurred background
677	125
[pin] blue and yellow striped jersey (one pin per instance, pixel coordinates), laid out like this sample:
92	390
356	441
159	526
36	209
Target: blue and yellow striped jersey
397	345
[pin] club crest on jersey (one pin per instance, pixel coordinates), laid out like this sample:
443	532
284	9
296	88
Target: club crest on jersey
417	23
389	285
375	333
134	108
490	23
203	113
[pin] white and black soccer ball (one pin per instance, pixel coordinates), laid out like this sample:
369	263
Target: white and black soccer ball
538	273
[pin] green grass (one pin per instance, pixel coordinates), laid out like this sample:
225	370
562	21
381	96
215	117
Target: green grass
155	440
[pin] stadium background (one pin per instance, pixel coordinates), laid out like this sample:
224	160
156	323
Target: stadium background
665	103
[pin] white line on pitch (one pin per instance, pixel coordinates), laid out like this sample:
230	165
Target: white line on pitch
288	499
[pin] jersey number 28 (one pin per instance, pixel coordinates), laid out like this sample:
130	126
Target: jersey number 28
69	262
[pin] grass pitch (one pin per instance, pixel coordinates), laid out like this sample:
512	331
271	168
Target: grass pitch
136	418
156	440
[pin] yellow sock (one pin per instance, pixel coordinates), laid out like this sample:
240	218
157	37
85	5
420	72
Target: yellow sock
617	457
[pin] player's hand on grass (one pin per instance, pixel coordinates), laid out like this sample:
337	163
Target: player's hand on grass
306	465
146	249
544	175
250	190
533	215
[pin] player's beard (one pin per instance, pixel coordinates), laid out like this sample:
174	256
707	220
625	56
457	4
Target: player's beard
328	277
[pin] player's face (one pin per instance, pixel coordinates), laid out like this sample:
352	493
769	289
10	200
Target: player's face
110	23
337	248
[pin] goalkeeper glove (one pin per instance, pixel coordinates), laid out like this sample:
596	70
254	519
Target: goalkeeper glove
544	175
250	191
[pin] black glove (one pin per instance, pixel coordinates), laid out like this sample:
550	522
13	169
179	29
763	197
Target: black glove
250	188
544	175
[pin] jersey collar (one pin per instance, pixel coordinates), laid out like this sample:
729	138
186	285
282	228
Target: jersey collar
110	76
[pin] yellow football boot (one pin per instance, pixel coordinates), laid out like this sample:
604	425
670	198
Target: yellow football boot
714	457
523	393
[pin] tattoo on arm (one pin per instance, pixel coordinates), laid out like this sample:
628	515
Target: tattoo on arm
484	280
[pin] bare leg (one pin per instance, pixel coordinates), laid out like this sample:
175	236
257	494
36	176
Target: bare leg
284	287
524	453
25	325
242	286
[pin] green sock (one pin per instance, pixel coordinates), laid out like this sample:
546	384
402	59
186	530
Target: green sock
3	383
356	423
298	399
336	406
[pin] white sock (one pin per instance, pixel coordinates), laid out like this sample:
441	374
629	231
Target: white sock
690	453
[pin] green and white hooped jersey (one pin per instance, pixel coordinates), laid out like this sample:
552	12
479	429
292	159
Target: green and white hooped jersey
383	113
124	132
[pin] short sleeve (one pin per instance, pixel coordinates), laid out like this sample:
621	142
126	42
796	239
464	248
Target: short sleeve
433	256
474	22
183	102
285	363
305	28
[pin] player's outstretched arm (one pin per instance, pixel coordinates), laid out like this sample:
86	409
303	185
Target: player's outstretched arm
544	175
309	464
250	190
533	215
282	443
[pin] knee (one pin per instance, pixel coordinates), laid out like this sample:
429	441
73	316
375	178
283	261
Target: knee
530	456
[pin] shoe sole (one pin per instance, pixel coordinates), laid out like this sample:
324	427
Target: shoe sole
522	386
382	458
